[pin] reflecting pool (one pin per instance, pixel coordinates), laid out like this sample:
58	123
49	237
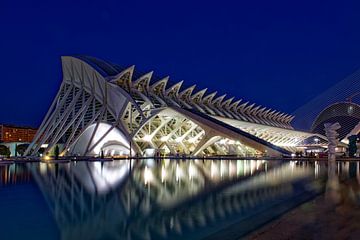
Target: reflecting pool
154	199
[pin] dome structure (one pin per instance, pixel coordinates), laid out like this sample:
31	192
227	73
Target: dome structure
347	114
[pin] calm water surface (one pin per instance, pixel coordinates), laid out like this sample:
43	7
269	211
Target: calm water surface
148	199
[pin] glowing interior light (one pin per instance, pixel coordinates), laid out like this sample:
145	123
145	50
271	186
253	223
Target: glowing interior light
192	140
47	158
164	138
222	141
179	139
148	176
147	138
231	142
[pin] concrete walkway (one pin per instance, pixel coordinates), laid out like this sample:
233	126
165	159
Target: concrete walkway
318	219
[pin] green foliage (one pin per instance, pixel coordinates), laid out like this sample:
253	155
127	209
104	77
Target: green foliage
41	150
56	152
352	145
4	151
21	148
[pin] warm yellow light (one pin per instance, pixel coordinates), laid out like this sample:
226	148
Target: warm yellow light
46	158
164	138
147	138
192	140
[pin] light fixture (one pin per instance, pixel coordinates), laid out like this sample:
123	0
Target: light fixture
164	138
147	138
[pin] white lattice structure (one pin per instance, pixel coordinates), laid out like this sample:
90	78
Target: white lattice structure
101	107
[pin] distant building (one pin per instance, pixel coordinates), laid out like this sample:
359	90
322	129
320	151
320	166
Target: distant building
11	135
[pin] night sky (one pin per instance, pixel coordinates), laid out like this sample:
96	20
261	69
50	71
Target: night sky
276	54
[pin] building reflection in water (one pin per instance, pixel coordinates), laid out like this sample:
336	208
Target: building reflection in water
11	174
164	199
153	199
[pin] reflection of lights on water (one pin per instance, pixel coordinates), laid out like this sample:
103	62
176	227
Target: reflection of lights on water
43	168
252	166
317	169
292	166
163	174
266	166
222	169
212	170
231	169
245	167
258	163
148	176
238	167
98	167
191	171
177	172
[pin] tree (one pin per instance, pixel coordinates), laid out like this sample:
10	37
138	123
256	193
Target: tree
352	145
41	151
4	151
56	152
21	148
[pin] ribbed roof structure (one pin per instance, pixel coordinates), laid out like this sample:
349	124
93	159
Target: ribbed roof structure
103	108
190	97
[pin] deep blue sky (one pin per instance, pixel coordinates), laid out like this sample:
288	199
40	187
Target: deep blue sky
277	54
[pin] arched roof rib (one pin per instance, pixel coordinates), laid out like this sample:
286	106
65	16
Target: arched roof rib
106	69
191	96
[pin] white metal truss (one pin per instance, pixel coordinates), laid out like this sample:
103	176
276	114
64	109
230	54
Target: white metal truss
150	114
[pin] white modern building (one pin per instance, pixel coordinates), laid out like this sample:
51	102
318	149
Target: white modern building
102	108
